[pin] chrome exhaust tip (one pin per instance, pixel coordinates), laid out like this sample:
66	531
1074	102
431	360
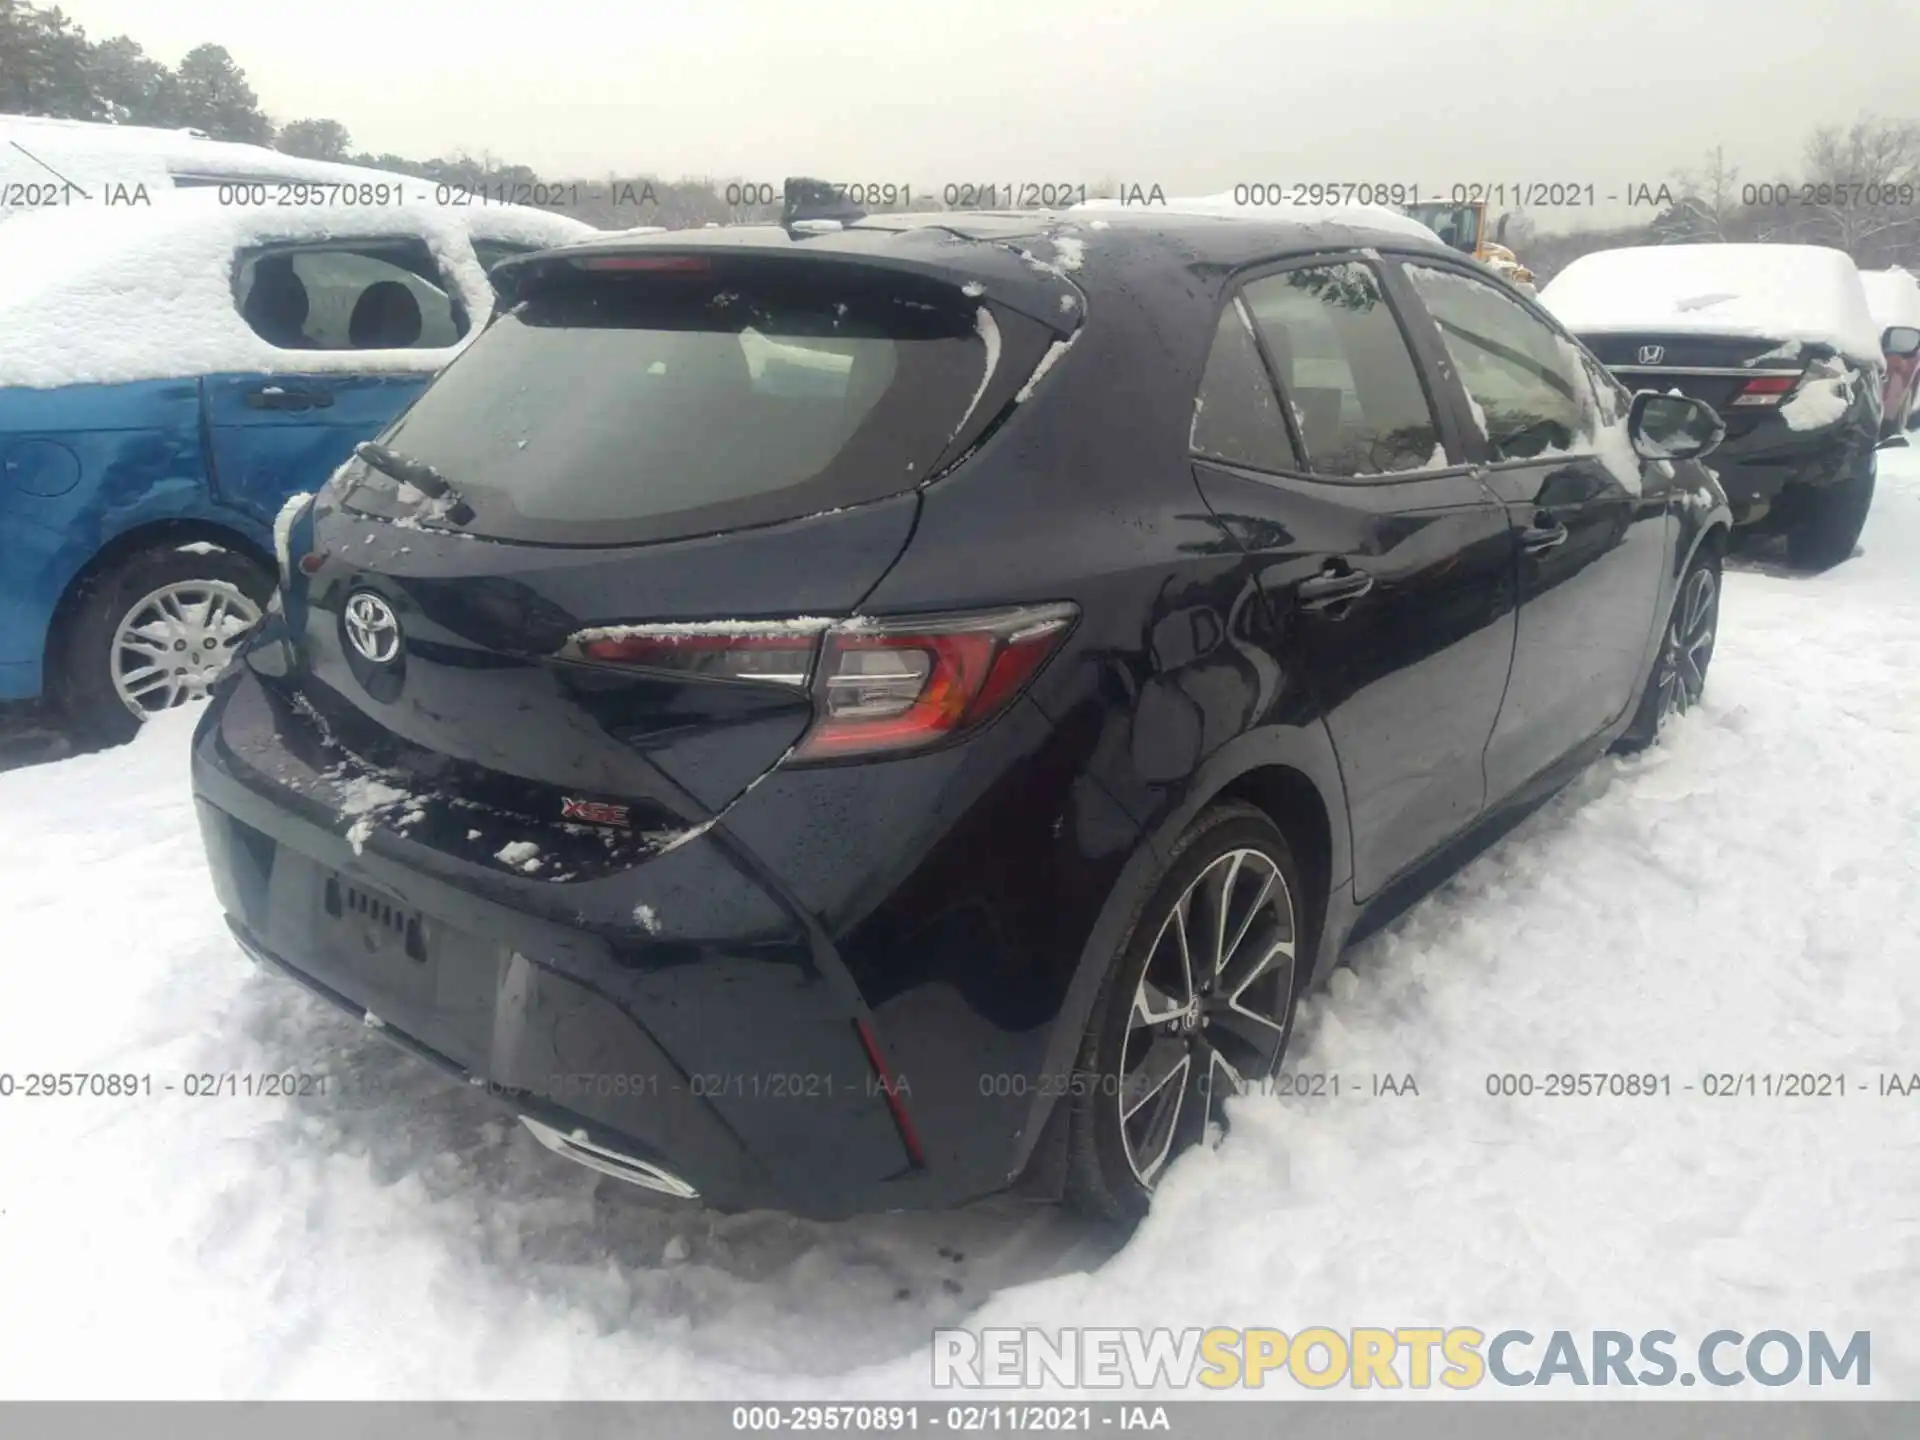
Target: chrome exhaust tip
582	1151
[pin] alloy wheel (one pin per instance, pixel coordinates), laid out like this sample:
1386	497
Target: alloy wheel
1689	649
175	641
1211	1011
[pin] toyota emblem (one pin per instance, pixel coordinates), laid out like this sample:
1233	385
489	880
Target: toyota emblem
372	627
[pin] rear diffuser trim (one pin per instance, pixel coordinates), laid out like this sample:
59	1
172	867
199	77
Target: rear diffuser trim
582	1151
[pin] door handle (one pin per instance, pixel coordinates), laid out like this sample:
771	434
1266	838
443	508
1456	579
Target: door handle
272	397
1332	587
1538	539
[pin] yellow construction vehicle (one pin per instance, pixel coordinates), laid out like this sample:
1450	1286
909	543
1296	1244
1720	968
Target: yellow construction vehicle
1464	227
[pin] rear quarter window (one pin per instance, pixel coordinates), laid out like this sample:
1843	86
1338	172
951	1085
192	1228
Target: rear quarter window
1236	415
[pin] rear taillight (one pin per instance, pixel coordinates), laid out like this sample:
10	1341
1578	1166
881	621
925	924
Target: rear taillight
783	658
879	686
1766	390
905	684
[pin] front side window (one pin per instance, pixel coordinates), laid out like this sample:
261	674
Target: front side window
1525	380
1612	398
1345	369
368	295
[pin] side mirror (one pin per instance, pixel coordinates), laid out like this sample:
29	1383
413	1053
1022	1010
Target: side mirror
1901	340
1500	228
1673	427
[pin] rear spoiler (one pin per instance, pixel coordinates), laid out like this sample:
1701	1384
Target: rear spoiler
993	271
817	203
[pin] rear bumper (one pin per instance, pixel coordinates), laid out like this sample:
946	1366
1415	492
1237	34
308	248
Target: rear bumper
558	1128
1757	467
703	1011
564	1026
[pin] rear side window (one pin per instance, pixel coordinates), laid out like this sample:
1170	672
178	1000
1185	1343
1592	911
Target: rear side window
629	407
370	295
1236	416
1526	381
1345	368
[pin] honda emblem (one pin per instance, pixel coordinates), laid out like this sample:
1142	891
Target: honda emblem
1652	354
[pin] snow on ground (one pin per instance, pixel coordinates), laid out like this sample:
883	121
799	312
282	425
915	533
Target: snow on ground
1740	899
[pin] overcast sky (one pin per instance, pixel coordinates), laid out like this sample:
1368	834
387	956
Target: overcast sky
1195	95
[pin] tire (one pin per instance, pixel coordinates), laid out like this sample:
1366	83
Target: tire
171	595
1827	521
1243	1016
1679	673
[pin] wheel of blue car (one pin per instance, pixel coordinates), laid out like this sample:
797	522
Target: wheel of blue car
1197	1009
152	632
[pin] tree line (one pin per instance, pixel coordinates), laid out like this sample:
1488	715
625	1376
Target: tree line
1857	187
48	67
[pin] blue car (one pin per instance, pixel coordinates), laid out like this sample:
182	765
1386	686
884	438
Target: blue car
169	376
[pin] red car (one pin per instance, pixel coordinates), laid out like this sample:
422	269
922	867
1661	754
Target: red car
1893	299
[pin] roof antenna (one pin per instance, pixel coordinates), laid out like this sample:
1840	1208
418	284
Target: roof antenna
817	204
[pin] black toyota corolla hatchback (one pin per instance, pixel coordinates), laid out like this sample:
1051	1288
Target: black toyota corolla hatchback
858	718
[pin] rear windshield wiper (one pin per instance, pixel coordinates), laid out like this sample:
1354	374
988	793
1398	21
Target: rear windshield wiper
421	476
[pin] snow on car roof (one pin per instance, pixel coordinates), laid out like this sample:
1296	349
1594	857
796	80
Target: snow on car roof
1771	292
1893	297
1372	217
40	155
95	294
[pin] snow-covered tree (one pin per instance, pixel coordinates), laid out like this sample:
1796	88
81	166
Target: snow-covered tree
211	93
314	139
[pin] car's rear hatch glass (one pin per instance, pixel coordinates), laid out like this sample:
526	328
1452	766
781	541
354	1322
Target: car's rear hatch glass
628	405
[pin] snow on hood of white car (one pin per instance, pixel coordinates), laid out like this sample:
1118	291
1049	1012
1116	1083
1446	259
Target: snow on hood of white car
1776	292
102	295
1375	217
